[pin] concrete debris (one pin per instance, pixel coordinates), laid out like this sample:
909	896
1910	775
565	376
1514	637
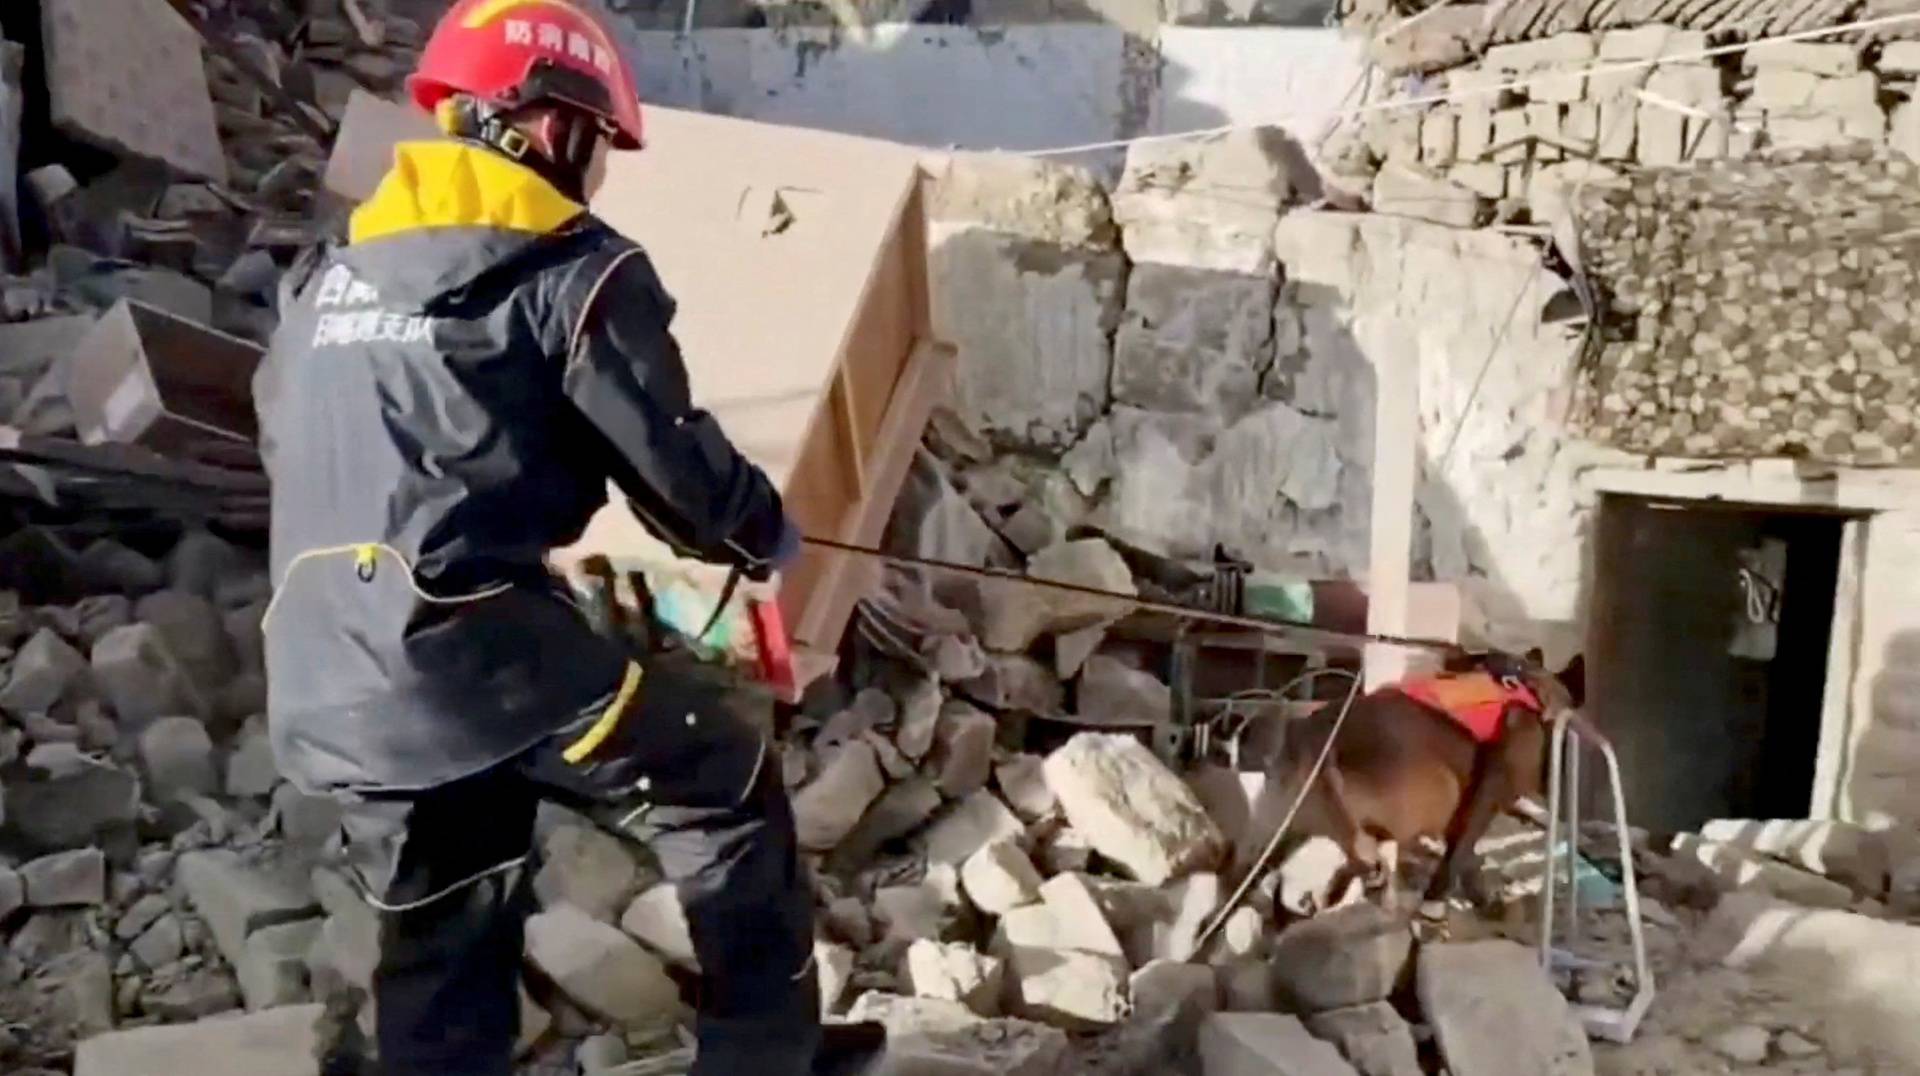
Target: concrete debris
193	632
176	754
237	898
1351	956
1374	1039
970	825
1023	784
1015	615
963	749
1167	984
251	769
1512	1021
601	969
587	868
1843	852
1132	809
999	878
276	1042
1265	1044
835	963
955	973
1738	869
142	679
1114	694
13	892
1018	683
913	912
1070	989
273	968
41	673
64	799
1744	1045
925	1035
66	879
657	918
1080	921
827	809
1170	211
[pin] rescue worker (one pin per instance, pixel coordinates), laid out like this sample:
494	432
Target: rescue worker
445	401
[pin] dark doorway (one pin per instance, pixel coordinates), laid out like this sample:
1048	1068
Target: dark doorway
1708	655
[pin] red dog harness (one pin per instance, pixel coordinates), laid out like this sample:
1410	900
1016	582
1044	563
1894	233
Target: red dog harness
1475	700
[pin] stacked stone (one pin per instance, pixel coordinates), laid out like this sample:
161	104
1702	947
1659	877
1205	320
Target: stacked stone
1474	26
1758	309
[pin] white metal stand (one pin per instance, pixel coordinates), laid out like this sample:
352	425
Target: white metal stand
1563	791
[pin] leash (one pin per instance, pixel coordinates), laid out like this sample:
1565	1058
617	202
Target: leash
1260	624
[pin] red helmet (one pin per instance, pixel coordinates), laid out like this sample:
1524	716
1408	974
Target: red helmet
518	52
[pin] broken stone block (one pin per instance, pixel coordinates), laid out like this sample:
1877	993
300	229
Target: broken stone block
955	973
1080	922
141	679
970	825
64	799
1132	809
109	566
1404	190
1169	210
1023	784
1743	1044
1350	956
913	912
870	709
1737	869
306	821
1016	682
99	615
200	560
1000	878
251	769
826	810
162	943
273	969
926	1037
919	718
899	811
41	674
276	1042
143	914
1825	59
1265	1044
1070	989
657	918
1843	852
1194	900
1031	321
1194	340
588	868
1165	984
66	879
1014	615
194	633
1246	986
601	969
1112	693
1373	1038
962	755
1512	1020
176	754
237	898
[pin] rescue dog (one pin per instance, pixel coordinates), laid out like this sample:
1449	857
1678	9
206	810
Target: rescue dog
1404	768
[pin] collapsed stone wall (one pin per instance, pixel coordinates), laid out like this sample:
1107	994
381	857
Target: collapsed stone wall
1189	364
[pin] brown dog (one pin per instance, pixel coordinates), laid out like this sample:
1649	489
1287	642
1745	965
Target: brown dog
1404	769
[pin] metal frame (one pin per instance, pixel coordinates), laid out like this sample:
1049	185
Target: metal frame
1563	787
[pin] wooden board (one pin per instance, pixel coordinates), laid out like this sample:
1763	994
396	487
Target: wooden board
798	262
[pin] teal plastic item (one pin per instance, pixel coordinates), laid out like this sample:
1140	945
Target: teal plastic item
1272	597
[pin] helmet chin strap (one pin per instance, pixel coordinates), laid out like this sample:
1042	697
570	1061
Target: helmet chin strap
564	163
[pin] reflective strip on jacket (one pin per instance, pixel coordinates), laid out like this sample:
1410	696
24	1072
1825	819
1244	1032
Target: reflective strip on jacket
444	402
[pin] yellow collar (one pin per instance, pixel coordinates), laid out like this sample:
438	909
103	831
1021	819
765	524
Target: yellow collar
453	185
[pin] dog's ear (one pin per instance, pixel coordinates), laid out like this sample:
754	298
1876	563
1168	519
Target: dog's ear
1537	657
1574	677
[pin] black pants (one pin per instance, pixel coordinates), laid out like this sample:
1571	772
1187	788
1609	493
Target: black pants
448	870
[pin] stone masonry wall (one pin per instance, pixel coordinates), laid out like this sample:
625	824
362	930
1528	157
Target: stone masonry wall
1190	365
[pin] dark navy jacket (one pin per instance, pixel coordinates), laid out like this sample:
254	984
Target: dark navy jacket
445	401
